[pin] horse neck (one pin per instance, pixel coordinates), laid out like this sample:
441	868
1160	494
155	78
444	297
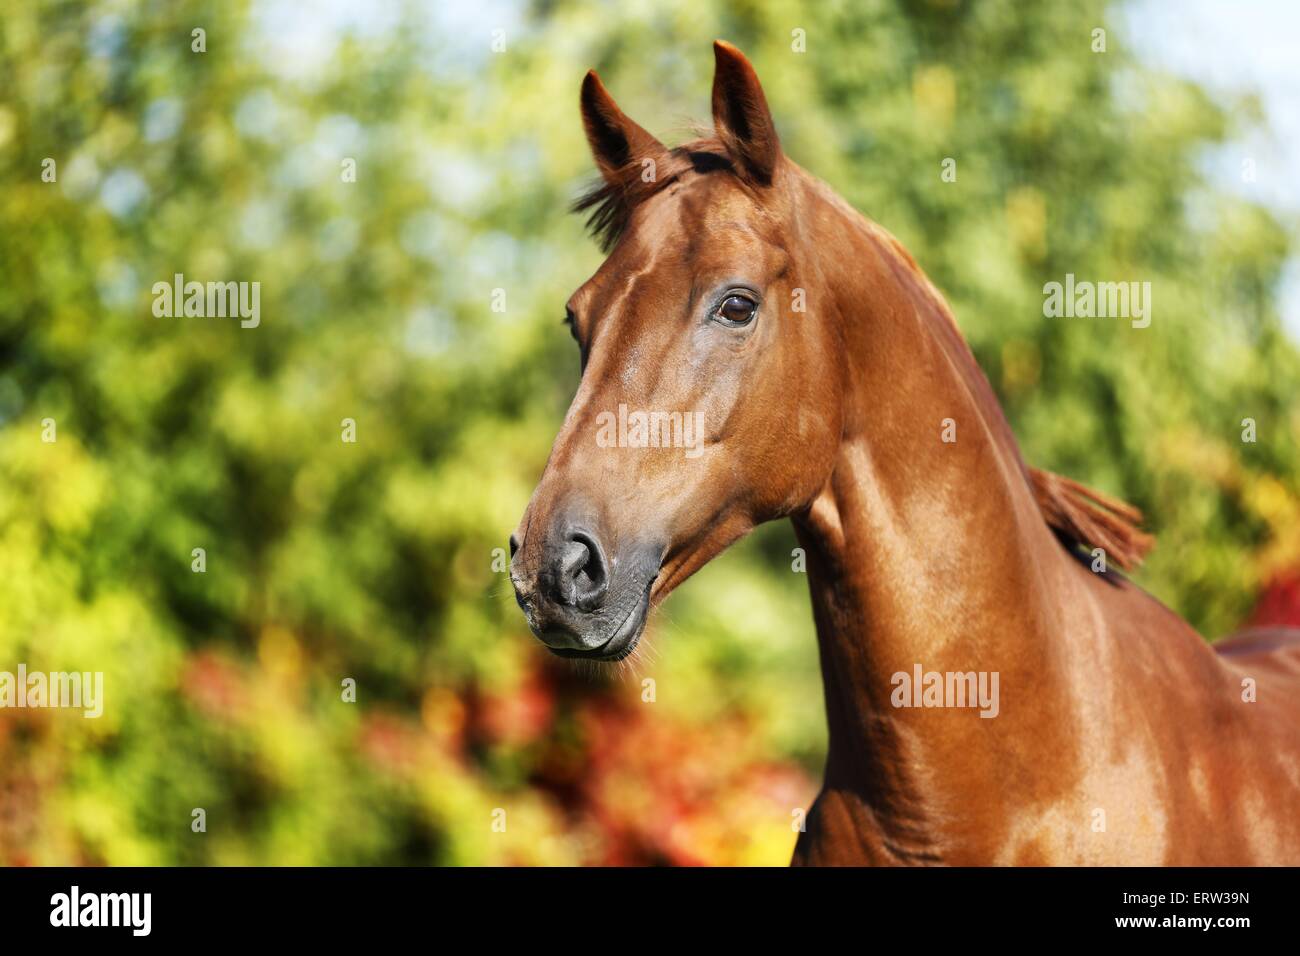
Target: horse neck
921	551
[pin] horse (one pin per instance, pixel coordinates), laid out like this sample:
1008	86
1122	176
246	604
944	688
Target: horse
996	691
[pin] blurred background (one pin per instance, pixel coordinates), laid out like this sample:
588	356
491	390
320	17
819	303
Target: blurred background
1170	157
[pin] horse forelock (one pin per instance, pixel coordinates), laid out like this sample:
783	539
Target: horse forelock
610	202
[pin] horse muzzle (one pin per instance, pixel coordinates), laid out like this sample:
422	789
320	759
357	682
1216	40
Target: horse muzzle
580	601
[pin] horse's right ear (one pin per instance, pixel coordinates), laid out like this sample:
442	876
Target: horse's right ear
619	145
740	115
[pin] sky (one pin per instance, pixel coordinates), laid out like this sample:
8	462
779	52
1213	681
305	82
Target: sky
1232	47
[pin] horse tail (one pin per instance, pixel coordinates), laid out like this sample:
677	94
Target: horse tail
1084	516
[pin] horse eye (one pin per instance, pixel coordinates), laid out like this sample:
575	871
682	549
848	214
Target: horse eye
571	321
737	309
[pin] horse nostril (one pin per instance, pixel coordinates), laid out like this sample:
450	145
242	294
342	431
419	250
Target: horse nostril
581	576
514	545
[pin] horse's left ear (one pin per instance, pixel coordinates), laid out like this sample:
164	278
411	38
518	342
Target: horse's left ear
617	143
740	115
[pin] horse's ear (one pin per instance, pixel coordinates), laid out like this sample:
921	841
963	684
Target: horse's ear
618	144
740	114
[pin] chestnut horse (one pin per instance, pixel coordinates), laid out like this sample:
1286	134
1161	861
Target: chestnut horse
752	349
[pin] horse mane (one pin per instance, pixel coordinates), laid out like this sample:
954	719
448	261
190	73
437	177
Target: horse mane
1088	518
1081	517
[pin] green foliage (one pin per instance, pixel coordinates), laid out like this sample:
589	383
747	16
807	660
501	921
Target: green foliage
373	560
